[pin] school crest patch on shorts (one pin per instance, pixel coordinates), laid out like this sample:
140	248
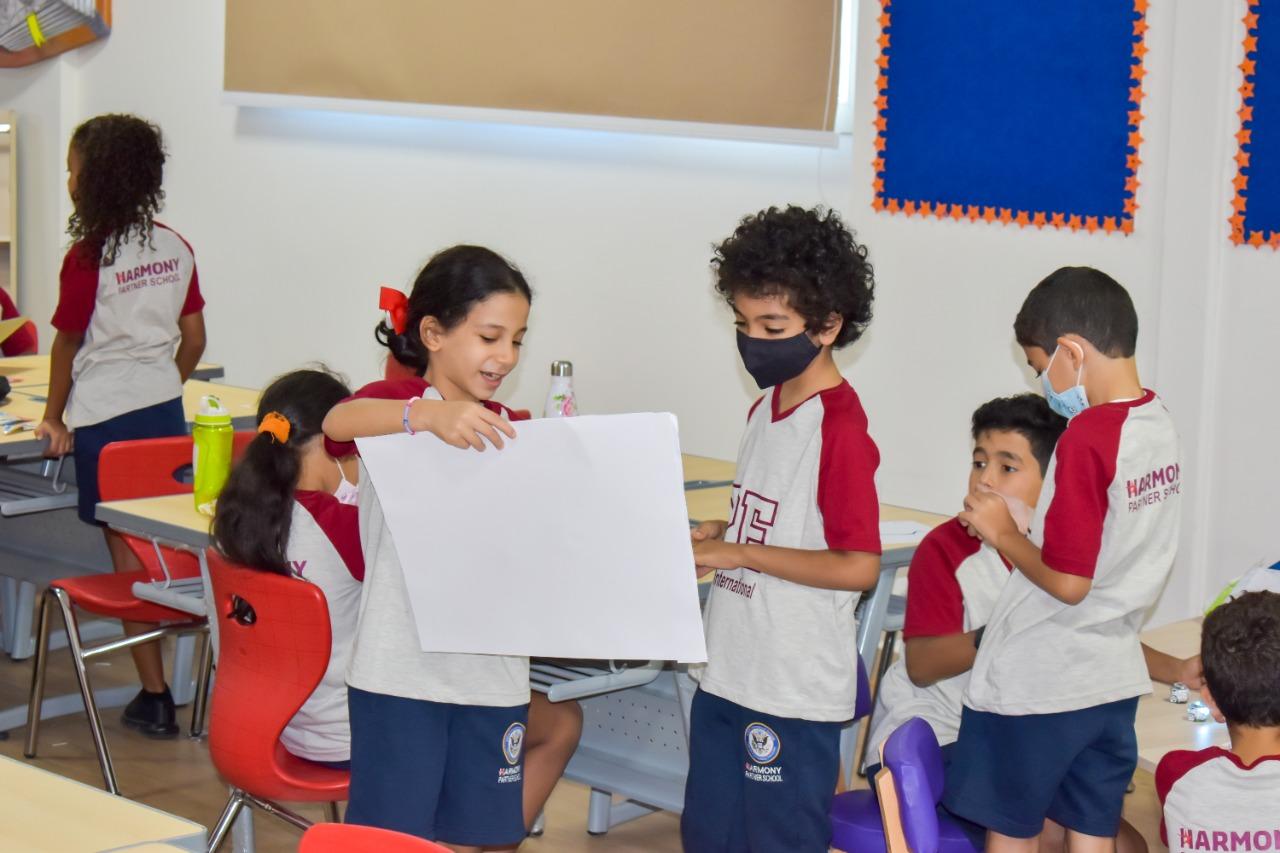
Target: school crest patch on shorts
513	743
762	743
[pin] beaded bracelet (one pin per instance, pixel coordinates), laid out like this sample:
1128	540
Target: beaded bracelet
405	418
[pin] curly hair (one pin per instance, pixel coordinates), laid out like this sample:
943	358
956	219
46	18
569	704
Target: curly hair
808	257
1240	651
117	192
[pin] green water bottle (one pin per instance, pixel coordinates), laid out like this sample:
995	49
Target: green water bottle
210	452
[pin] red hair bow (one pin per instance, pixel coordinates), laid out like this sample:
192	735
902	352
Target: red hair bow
396	304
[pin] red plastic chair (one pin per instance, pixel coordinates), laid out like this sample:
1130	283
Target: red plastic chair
349	838
126	470
273	649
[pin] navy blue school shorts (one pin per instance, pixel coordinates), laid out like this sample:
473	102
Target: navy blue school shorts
159	421
1008	773
447	773
757	783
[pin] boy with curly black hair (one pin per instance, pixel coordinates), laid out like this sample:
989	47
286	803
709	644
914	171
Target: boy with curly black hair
802	541
1229	799
130	330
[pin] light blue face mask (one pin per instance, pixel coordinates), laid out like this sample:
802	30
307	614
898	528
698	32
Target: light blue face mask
1070	402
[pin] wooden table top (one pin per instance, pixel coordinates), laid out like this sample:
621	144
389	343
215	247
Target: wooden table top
41	811
1162	726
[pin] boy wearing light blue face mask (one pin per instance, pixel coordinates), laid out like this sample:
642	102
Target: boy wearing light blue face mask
802	540
1047	727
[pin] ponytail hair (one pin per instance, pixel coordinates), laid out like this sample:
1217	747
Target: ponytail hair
255	510
453	281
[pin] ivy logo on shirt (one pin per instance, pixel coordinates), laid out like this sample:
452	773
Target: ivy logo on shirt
513	743
762	743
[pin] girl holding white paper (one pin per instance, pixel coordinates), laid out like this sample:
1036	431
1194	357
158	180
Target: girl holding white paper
438	739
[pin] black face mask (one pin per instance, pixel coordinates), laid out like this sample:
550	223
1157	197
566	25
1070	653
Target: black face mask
772	362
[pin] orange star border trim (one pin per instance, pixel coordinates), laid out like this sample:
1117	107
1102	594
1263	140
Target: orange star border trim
1240	201
1022	218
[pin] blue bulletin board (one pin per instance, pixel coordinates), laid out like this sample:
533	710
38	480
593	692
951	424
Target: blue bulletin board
1003	110
1255	218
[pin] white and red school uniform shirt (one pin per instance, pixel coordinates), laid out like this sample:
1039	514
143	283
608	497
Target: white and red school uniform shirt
1213	801
128	313
805	479
953	585
324	548
388	658
1110	511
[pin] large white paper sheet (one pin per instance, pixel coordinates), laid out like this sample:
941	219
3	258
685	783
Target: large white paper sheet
573	541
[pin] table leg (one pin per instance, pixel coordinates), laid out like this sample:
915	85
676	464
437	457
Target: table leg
182	684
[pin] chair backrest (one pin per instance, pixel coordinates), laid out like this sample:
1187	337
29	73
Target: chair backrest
149	468
350	838
274	644
913	759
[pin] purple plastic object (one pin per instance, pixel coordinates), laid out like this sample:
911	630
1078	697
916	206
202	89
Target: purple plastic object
912	756
862	702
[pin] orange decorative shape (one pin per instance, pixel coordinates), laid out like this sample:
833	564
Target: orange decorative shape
1023	219
1237	236
1133	161
1255	238
880	123
1140	49
1274	241
1251	21
1242	159
1135	94
883	20
972	211
1130	205
882	61
925	209
1250	44
1091	224
1244	136
957	212
877	203
1238	203
1135	140
1246	112
1140	6
1126	226
1140	26
1237	221
1248	67
883	41
909	207
1039	220
1109	224
877	185
1131	184
1137	72
882	102
1246	91
1006	215
878	143
1074	222
988	214
1241	181
1058	220
1135	118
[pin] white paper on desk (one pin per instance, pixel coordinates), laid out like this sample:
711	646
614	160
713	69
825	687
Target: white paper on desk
573	541
902	532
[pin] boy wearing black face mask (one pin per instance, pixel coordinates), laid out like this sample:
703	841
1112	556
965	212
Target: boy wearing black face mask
803	539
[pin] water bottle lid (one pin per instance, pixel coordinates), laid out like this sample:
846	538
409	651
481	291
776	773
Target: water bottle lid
212	412
561	368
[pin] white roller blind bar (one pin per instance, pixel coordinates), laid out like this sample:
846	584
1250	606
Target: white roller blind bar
483	115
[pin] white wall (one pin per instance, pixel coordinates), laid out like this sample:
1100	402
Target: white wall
296	218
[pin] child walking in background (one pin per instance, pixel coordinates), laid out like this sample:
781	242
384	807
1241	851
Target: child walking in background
130	330
290	508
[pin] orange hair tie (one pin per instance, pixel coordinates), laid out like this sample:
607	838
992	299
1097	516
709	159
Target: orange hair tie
396	304
277	426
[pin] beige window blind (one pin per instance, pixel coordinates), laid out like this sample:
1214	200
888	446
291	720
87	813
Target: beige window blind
755	63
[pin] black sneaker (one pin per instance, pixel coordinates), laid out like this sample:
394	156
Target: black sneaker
152	714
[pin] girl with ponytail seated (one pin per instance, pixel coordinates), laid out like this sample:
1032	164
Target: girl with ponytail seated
290	508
